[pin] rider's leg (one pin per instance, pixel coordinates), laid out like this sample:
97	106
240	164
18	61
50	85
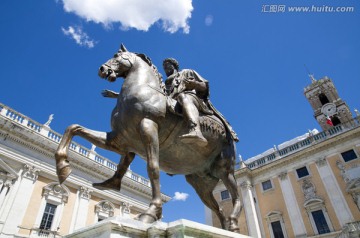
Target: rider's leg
191	114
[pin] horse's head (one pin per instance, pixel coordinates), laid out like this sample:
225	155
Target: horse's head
118	66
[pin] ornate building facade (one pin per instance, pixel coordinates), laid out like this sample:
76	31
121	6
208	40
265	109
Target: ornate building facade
33	204
306	187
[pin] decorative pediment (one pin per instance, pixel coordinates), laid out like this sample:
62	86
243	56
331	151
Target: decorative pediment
56	193
315	202
273	216
105	209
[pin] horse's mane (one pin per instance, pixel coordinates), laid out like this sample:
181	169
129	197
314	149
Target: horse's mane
154	68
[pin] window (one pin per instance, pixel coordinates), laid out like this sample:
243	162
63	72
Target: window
276	224
266	185
48	217
349	155
277	229
319	218
335	121
54	198
302	172
323	99
320	222
225	195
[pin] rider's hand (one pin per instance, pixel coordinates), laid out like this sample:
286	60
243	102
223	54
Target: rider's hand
190	83
109	94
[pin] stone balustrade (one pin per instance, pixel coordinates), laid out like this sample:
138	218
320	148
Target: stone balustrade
300	145
45	131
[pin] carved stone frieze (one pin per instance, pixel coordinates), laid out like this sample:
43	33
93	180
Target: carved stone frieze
309	190
30	172
283	176
342	169
246	184
321	162
126	207
85	192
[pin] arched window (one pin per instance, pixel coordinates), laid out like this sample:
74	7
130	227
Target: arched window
335	120
276	224
323	99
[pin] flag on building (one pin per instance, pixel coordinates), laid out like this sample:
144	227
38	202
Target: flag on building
328	121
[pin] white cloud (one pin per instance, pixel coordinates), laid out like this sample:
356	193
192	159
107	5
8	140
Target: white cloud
79	36
209	20
180	196
138	14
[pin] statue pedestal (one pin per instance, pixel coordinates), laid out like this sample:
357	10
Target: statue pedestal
120	227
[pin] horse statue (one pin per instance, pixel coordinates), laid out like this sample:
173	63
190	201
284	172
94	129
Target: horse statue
142	124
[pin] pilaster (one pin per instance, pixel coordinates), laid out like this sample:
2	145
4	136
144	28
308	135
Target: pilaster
292	206
335	194
84	195
21	199
250	210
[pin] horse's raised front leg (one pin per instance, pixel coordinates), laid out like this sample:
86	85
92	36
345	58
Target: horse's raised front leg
114	182
149	136
97	138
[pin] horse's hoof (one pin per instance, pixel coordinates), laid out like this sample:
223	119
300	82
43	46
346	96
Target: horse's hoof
147	218
63	171
111	183
234	228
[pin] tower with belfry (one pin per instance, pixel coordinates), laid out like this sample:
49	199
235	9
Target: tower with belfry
329	109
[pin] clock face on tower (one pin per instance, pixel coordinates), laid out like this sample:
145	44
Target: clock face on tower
329	109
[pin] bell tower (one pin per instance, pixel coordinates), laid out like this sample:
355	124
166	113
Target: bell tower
329	109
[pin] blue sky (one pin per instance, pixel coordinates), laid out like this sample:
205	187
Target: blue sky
251	51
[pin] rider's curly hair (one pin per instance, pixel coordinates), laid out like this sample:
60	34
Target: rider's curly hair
173	62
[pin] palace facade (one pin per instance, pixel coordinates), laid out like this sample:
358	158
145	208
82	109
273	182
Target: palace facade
308	186
33	204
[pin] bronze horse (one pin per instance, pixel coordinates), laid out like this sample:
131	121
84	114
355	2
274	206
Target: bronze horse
141	124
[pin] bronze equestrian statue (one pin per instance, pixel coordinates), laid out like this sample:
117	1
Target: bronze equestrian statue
143	124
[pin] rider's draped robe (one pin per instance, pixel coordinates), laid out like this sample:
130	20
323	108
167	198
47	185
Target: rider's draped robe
175	85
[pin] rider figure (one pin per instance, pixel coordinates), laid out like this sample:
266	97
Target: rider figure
189	89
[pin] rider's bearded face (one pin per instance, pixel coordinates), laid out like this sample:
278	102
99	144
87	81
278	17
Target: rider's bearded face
169	69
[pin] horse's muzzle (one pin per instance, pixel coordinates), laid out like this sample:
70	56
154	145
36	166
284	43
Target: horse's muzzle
103	71
107	73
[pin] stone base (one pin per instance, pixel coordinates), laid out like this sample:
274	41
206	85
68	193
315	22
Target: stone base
120	227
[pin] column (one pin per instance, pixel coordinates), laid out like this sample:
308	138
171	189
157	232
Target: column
4	189
82	208
21	200
335	194
292	206
250	210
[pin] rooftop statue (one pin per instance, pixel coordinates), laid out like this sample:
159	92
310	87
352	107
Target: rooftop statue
173	127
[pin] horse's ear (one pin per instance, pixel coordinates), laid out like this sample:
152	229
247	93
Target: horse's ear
122	48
